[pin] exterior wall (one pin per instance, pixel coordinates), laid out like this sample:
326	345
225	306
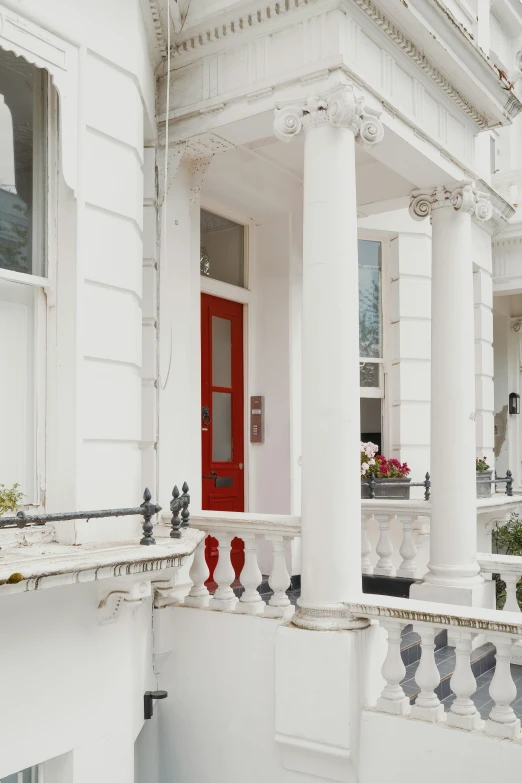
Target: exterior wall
483	298
73	687
94	333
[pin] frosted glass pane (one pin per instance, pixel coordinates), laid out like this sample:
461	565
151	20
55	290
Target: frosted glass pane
222	254
221	427
221	352
370	375
370	342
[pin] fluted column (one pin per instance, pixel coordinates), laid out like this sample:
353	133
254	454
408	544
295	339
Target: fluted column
453	568
331	511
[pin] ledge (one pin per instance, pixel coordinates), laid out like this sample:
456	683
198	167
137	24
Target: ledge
44	564
499	564
284	524
443	615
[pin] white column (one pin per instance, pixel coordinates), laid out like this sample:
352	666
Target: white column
453	575
331	511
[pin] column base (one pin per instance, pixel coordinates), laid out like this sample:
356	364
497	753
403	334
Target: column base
400	707
480	595
284	612
197	601
503	730
468	722
223	604
331	617
430	714
257	607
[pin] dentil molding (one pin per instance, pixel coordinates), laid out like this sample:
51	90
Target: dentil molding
232	26
465	198
340	107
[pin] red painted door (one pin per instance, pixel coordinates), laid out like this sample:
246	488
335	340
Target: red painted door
222	415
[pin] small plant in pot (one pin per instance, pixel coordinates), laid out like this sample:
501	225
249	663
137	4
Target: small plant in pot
10	499
484	475
386	472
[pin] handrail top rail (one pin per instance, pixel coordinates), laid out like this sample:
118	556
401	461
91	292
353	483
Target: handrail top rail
411	610
493	563
237	520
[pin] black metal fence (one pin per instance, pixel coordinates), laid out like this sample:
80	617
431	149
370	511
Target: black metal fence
372	483
179	505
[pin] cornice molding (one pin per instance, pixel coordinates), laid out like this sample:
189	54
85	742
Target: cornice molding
231	27
158	27
419	58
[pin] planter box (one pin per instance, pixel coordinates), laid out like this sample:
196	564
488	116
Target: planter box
484	484
384	489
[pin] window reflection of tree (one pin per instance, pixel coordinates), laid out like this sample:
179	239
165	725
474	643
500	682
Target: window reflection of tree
17	79
369	323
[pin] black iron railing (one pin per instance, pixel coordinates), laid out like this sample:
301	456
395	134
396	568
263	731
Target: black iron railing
179	506
372	483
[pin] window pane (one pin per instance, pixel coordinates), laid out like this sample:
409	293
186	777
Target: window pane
222	249
22	165
370	343
17	393
370	375
221	352
221	426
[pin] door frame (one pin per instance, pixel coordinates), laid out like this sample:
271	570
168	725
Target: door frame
243	296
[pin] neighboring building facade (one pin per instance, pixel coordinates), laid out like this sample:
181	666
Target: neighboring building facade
181	292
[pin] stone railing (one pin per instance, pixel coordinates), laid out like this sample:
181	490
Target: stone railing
395	537
503	631
266	539
510	570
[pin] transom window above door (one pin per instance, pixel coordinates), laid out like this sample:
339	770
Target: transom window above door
222	249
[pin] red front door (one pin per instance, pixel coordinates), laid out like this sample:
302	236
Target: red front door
222	422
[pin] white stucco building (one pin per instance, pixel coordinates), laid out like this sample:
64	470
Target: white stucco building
235	240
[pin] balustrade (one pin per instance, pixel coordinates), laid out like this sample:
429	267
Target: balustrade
465	624
266	540
392	538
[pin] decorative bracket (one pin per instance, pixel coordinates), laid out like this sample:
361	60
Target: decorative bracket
112	604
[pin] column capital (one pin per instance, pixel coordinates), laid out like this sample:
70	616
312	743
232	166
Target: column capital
465	198
340	107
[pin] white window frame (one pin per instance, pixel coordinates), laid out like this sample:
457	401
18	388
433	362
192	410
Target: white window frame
45	296
374	392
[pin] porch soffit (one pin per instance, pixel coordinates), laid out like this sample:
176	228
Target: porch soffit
467	91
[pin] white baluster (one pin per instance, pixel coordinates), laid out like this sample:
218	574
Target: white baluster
366	547
393	699
251	577
198	595
224	598
502	721
279	581
463	714
408	550
511	581
384	547
427	705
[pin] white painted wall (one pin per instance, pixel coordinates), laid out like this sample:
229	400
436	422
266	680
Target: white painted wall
483	302
71	684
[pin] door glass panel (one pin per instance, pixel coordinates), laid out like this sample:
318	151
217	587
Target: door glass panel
222	255
221	427
370	375
221	352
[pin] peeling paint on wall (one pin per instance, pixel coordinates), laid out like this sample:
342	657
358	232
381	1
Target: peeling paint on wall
501	420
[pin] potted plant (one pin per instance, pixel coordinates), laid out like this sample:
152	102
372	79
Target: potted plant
386	472
484	474
10	499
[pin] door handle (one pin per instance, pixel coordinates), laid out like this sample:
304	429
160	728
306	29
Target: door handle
205	418
220	481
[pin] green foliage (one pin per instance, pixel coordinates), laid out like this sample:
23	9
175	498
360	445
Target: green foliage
481	465
507	540
10	498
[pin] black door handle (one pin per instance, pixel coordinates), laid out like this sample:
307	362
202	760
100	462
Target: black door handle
220	481
205	418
